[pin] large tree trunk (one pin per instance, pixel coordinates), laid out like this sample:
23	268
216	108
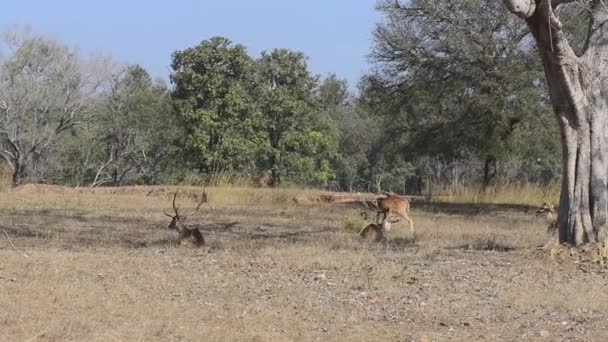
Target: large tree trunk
578	86
17	173
489	171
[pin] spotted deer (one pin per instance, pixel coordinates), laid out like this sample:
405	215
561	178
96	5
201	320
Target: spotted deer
377	231
550	213
188	236
393	208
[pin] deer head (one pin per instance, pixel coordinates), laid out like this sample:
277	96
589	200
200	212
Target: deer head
546	209
177	218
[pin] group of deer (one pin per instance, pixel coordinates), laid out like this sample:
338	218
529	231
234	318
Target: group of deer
389	209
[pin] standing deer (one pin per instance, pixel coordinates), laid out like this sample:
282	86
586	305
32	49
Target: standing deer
188	236
393	205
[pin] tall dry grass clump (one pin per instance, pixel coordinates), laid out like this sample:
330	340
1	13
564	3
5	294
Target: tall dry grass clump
6	178
508	193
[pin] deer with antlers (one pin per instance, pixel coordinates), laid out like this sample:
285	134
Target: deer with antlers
188	236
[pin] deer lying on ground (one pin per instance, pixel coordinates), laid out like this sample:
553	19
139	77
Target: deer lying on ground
377	231
188	236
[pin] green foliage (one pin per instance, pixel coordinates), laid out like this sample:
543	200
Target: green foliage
213	96
455	84
130	137
333	92
247	115
353	223
459	79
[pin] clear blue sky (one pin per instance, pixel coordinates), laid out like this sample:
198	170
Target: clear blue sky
334	34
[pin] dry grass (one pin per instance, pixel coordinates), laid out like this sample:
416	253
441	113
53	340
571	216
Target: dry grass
521	194
6	177
103	267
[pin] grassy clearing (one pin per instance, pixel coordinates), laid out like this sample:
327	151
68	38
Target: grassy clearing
103	267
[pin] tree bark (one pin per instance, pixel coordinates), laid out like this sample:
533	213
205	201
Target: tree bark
578	86
17	173
489	171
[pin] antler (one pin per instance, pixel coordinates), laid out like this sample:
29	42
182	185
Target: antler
175	209
200	202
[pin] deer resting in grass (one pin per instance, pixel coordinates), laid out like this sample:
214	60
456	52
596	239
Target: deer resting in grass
188	236
377	231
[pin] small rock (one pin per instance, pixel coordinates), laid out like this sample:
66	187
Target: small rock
544	333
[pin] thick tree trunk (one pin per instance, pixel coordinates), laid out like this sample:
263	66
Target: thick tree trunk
17	173
275	169
489	171
578	85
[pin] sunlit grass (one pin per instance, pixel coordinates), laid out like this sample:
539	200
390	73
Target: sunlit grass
525	194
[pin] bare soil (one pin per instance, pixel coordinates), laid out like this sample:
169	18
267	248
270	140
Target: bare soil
95	266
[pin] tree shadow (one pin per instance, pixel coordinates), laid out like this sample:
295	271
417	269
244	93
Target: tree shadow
402	242
486	245
19	232
261	232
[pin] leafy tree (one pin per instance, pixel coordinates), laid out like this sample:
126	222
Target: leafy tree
333	92
300	137
212	93
464	72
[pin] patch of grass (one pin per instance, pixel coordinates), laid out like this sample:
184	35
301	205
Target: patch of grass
528	194
276	271
489	243
353	222
6	177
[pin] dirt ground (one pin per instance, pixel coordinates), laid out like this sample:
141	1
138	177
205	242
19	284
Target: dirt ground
80	266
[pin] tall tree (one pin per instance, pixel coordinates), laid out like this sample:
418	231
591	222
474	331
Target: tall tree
45	88
333	92
464	72
212	94
135	129
574	66
295	127
131	135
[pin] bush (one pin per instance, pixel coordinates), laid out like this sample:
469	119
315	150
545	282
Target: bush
353	223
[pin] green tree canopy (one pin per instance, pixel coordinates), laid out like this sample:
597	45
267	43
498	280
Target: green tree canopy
212	93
